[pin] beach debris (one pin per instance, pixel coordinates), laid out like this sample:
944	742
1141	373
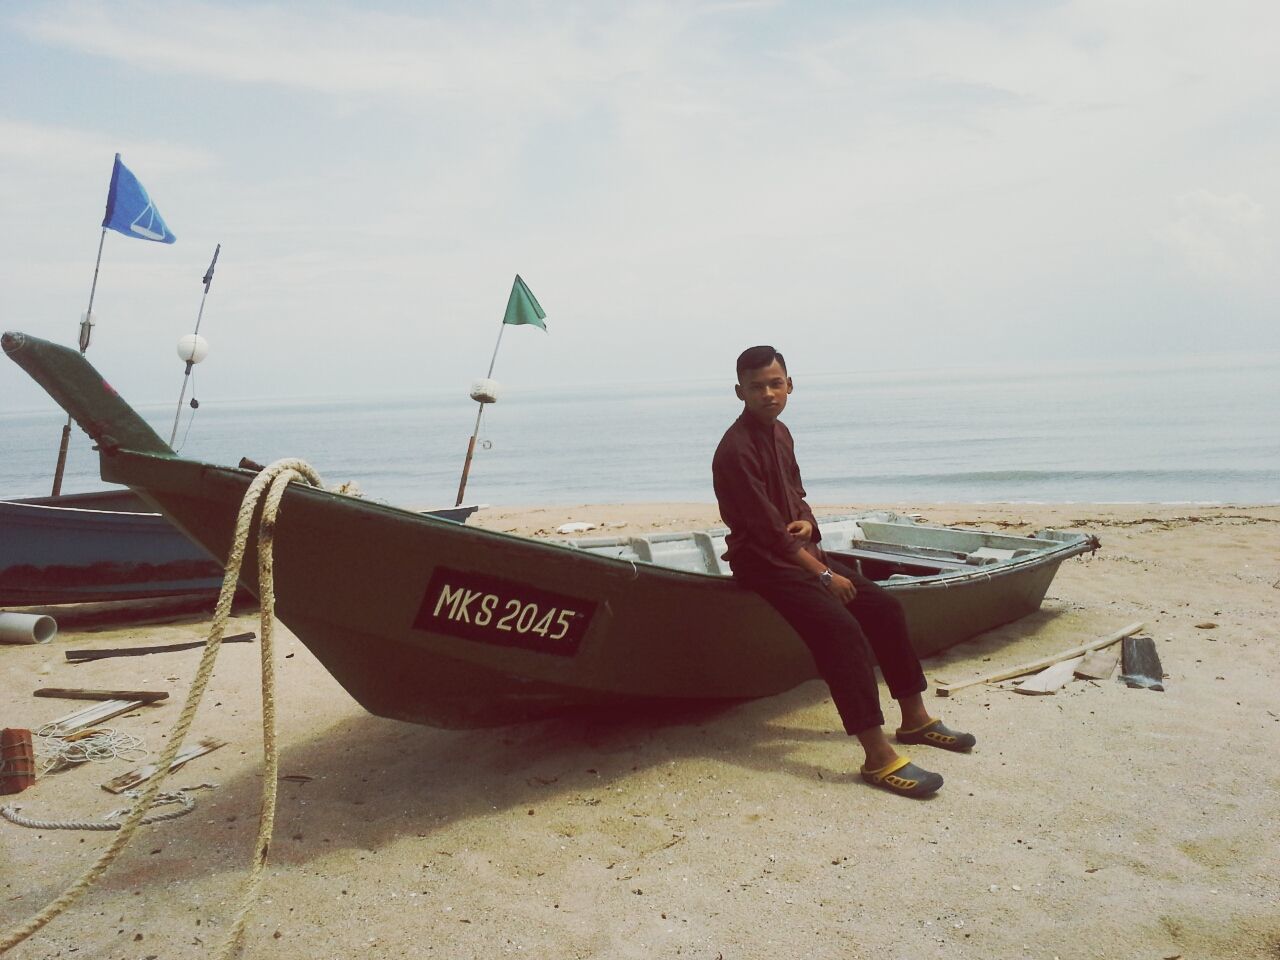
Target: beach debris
1051	679
576	526
17	760
127	781
63	727
1207	625
1141	664
83	656
95	745
348	488
27	628
80	693
297	777
946	689
1099	664
613	524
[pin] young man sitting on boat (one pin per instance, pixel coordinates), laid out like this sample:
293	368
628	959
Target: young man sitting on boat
848	622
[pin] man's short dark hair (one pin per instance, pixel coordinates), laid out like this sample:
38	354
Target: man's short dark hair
753	358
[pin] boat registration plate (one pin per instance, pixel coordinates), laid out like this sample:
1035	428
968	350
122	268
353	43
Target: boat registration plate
476	606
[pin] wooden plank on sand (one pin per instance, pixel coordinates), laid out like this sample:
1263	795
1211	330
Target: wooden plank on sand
1099	664
946	689
82	656
1141	664
88	717
127	781
1050	679
78	693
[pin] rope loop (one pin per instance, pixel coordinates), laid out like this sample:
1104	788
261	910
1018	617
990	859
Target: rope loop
111	820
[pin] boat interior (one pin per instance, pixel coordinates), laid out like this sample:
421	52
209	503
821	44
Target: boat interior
884	546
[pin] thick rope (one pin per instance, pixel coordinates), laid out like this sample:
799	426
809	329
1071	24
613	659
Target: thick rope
112	819
277	475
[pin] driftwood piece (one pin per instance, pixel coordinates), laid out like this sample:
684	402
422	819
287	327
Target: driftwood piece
1099	664
1141	664
79	693
127	781
1050	679
83	656
946	689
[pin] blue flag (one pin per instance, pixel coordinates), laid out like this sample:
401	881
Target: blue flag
129	209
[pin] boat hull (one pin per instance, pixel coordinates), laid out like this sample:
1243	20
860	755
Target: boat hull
70	554
371	591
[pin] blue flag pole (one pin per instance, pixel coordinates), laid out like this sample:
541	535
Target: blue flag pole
86	332
131	212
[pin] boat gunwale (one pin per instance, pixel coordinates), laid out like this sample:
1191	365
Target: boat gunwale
219	474
47	506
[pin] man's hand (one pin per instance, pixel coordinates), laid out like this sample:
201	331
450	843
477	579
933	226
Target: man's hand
801	530
842	587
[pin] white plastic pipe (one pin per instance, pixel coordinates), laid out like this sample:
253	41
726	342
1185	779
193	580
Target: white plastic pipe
27	628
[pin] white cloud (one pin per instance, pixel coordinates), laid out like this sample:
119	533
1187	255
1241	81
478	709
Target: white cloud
339	49
661	172
1219	237
68	150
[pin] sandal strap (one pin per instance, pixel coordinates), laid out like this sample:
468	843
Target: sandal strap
892	767
931	723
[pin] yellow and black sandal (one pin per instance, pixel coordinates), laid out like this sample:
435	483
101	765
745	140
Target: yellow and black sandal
905	778
936	734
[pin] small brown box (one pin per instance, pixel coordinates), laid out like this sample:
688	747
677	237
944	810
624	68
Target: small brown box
17	760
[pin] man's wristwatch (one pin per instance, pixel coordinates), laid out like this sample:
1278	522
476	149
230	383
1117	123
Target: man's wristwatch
826	576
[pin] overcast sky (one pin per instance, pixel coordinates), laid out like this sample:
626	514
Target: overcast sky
879	185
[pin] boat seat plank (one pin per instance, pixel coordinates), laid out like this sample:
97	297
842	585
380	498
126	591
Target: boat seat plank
902	556
676	553
963	540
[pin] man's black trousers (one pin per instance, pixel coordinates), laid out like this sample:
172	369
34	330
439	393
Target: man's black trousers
846	641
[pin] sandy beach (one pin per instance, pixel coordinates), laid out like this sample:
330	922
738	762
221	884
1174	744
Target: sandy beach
1102	821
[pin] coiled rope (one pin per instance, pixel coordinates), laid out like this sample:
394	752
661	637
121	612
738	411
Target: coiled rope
272	480
98	746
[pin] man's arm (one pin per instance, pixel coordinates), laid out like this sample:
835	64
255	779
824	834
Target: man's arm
740	485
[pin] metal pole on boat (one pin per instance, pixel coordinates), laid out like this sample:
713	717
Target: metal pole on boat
191	357
86	331
471	444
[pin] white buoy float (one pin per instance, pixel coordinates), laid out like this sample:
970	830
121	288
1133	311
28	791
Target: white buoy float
192	348
485	390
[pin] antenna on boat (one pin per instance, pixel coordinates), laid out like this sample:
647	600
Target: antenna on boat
522	308
193	348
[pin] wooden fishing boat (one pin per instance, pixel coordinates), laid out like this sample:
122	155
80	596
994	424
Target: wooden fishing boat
102	546
109	545
434	622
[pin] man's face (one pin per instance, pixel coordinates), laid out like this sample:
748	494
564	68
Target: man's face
764	391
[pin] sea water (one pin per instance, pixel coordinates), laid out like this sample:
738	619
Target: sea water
1198	430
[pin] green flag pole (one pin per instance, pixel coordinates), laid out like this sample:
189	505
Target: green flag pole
522	308
471	444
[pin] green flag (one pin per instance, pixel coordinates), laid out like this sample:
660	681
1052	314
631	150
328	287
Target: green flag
523	307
